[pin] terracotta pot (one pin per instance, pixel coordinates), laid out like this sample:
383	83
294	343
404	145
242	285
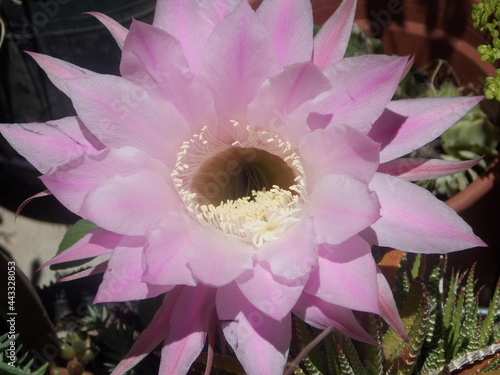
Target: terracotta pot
431	29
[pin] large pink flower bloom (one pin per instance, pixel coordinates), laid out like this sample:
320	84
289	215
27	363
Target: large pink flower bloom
245	168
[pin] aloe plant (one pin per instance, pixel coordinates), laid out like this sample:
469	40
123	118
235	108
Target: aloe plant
22	364
445	329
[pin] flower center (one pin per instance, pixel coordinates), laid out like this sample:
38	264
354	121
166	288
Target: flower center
253	188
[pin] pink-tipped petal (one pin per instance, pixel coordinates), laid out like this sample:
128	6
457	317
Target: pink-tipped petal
289	23
414	220
110	206
331	41
387	304
413	169
192	23
154	59
338	150
215	259
122	280
260	343
359	102
85	185
336	215
337	278
272	295
153	335
408	66
164	255
59	71
118	31
122	114
321	314
277	106
408	124
95	243
100	268
295	254
187	331
249	59
66	139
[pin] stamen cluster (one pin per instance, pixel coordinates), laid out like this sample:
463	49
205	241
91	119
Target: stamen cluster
252	189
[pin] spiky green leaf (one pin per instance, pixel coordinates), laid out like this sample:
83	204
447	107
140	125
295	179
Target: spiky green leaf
489	321
415	315
373	353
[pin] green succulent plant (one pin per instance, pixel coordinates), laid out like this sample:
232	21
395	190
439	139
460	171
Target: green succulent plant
22	364
446	331
486	17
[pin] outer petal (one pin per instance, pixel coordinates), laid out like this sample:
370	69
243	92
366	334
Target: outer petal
346	276
121	114
154	59
216	259
338	150
260	343
321	314
192	23
295	254
187	330
413	169
164	255
66	139
289	23
117	30
411	123
95	243
277	106
331	41
414	220
153	334
272	295
387	304
359	102
341	207
122	279
59	71
110	206
71	182
85	185
249	59
100	268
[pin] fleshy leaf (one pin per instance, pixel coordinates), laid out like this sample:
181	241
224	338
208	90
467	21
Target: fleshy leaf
415	312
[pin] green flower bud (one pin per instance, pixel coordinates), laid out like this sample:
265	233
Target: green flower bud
66	351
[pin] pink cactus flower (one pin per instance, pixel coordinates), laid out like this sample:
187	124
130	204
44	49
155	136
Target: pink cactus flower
244	168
